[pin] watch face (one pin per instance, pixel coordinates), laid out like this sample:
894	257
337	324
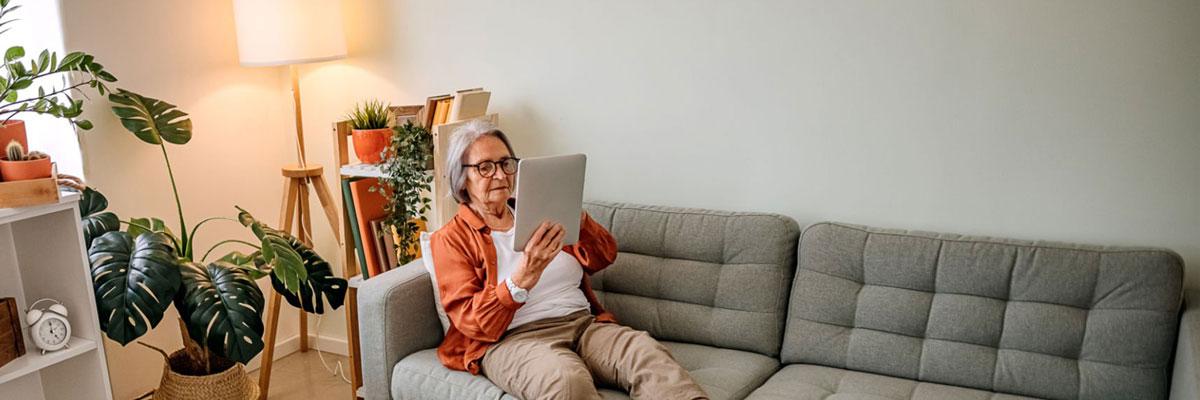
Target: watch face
53	332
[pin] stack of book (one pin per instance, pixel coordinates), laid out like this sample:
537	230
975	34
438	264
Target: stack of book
376	243
447	108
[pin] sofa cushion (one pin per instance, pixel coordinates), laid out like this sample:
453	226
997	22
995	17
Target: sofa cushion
422	376
427	261
1052	320
706	277
723	373
815	382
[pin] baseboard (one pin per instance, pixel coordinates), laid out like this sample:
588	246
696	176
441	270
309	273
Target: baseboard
291	345
329	345
283	348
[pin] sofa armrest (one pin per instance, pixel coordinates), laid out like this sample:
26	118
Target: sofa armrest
1185	378
396	317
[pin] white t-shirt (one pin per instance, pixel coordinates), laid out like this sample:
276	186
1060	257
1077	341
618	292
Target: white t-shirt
557	292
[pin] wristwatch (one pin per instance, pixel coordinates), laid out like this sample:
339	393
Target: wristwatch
519	295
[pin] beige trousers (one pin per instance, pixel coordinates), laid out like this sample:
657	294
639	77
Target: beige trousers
565	357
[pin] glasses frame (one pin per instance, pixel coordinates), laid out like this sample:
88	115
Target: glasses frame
498	165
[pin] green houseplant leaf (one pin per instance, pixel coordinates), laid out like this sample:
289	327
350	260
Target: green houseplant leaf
134	281
95	220
151	120
405	183
281	259
222	308
139	226
320	282
251	263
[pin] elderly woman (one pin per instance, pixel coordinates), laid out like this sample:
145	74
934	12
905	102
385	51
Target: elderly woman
527	318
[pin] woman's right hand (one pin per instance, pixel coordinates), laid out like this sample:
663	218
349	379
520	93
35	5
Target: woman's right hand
539	251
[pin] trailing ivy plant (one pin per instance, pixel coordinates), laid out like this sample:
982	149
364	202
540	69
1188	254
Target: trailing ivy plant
139	272
405	184
77	70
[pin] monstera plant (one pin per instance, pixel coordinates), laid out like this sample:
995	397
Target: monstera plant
140	271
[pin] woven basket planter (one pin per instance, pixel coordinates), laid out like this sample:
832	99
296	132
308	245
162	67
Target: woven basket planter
230	384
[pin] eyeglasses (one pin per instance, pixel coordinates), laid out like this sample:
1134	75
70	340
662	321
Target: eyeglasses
488	168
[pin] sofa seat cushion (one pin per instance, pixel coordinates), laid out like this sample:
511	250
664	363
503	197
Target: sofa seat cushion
723	373
422	376
815	382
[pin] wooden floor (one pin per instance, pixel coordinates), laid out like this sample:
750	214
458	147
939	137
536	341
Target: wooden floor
301	376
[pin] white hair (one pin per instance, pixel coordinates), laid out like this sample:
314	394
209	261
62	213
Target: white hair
460	140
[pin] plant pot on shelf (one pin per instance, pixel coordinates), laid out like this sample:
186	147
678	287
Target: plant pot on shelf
370	143
231	383
13	130
25	170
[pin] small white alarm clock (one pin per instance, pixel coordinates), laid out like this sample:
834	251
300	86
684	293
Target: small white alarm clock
49	327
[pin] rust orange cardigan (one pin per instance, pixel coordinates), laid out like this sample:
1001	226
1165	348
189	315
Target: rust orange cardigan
464	260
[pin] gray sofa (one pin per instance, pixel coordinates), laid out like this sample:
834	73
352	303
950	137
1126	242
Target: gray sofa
756	310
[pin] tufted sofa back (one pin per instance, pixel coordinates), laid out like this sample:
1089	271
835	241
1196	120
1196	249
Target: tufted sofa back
1051	320
698	276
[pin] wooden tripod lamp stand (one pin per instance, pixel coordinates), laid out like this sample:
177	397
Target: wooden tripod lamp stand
291	32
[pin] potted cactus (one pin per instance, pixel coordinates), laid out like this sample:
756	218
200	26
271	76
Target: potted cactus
17	165
371	134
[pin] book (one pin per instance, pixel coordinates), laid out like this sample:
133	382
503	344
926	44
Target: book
380	249
442	112
389	243
430	111
352	218
369	206
469	103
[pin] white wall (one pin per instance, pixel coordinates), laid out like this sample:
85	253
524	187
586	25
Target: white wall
1071	120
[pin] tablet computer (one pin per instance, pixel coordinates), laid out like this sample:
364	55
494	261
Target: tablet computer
549	189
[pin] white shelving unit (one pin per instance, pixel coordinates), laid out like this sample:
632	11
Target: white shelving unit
42	255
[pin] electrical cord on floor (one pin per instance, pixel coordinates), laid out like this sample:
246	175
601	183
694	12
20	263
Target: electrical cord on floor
337	369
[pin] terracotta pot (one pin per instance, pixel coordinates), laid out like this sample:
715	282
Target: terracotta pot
230	384
370	143
13	130
23	170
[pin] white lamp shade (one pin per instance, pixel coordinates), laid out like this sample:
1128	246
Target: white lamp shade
282	32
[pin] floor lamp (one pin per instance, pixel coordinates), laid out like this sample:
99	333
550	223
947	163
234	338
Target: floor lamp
291	32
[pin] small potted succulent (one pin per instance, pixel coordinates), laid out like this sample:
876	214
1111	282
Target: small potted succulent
371	134
17	165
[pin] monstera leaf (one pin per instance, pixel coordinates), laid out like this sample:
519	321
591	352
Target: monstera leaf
134	280
320	282
251	263
95	220
144	225
222	308
281	259
151	120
